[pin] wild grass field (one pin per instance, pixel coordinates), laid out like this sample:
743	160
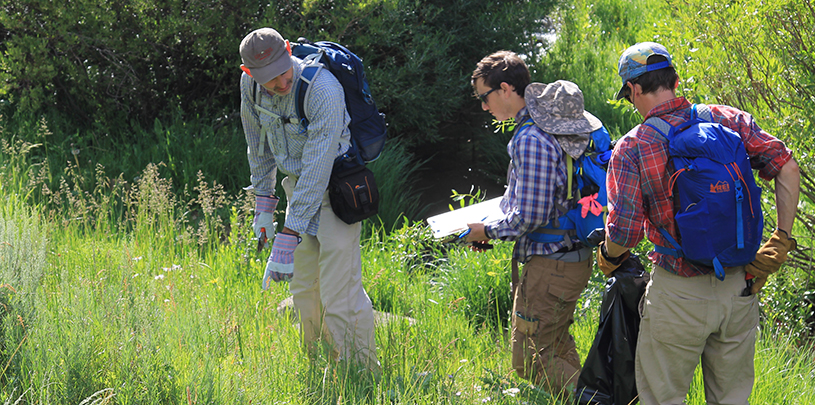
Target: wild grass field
128	273
120	298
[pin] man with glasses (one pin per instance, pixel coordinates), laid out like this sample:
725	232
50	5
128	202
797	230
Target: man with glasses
315	250
687	312
554	272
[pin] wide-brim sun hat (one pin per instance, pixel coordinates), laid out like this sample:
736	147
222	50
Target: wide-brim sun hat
557	109
265	54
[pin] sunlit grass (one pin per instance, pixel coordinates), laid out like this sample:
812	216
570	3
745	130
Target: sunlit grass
130	294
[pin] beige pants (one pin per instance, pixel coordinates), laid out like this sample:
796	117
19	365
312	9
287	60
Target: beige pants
543	351
685	319
327	288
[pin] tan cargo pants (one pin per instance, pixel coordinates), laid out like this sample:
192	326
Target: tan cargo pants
327	287
543	351
688	318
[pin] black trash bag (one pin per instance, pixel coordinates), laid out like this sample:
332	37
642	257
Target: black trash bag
607	377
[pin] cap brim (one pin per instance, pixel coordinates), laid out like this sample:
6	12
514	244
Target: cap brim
620	93
265	74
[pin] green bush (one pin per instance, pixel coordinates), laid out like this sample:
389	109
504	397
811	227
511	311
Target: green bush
135	83
106	65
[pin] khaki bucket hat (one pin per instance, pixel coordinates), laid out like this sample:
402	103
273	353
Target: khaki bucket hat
557	108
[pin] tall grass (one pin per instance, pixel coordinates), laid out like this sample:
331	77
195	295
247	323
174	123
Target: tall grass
143	287
153	313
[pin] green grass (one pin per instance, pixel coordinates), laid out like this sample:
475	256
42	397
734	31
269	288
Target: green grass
149	306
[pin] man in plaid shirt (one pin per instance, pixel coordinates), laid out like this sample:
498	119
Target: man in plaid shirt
556	268
687	312
316	250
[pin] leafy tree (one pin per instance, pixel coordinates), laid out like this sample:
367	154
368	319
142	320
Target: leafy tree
105	64
759	57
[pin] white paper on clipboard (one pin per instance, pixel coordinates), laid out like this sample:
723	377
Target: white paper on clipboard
455	222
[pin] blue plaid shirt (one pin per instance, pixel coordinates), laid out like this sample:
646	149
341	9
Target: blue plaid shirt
277	141
536	182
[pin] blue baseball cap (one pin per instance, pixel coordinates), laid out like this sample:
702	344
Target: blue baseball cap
634	62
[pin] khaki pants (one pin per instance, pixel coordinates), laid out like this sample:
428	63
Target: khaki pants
327	288
685	319
543	351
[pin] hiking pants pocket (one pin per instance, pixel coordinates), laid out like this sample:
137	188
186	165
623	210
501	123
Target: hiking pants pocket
524	325
743	318
678	321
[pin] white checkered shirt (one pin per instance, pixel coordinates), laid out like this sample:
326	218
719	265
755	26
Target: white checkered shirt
276	144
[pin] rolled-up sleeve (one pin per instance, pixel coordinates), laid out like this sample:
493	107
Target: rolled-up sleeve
768	154
626	216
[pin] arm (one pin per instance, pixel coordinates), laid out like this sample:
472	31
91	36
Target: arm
328	120
625	202
787	185
533	190
773	253
626	213
262	167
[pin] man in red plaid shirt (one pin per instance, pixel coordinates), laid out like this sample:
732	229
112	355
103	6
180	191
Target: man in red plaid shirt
687	313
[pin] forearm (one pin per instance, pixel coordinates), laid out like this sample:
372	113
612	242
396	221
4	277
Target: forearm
787	185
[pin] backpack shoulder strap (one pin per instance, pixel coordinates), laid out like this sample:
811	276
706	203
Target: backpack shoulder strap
703	112
660	125
302	88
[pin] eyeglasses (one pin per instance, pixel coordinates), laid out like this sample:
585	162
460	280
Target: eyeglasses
483	97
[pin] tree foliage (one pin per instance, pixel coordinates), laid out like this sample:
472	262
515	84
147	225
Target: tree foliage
105	64
760	57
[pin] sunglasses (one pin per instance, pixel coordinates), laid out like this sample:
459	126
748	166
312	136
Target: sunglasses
627	90
483	97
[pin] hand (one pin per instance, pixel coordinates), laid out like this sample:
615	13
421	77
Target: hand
480	246
608	264
280	266
264	219
476	232
772	255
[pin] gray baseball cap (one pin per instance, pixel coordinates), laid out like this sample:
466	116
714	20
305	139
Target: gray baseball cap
266	54
557	108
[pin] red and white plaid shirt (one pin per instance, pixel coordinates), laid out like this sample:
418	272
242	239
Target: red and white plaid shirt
638	178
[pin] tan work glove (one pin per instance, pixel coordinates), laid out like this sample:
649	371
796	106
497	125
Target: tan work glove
758	284
770	258
608	264
772	255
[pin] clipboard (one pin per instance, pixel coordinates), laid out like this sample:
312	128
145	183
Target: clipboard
446	227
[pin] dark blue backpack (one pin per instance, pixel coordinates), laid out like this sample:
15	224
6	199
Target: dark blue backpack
587	193
368	129
719	214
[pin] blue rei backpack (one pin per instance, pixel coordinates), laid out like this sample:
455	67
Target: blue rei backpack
586	192
719	214
367	127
